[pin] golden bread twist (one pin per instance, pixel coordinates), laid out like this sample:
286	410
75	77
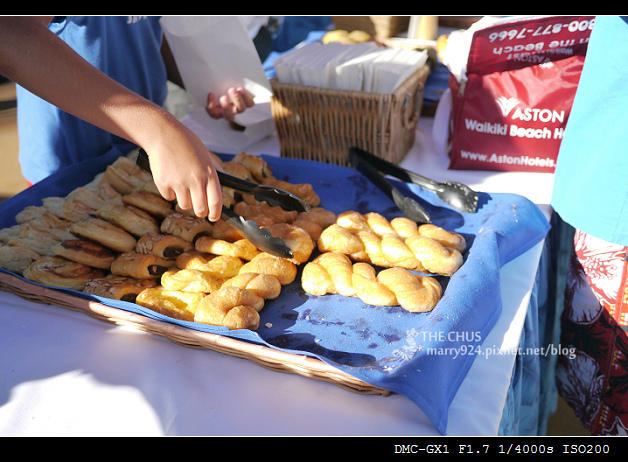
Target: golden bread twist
371	238
334	273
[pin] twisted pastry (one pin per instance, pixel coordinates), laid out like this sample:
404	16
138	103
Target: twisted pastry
191	280
329	273
371	238
297	239
334	273
221	266
176	304
242	248
230	307
315	221
266	286
284	270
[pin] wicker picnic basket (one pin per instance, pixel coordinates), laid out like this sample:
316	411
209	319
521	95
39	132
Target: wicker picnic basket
321	124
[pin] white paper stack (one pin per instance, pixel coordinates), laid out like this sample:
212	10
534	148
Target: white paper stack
363	66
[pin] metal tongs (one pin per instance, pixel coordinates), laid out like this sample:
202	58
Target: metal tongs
457	195
260	237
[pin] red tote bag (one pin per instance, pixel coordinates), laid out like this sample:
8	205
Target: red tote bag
510	112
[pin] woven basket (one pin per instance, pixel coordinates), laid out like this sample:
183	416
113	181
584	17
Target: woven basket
321	124
266	357
381	27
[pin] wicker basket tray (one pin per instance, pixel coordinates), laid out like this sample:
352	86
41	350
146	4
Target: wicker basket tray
378	26
268	358
321	124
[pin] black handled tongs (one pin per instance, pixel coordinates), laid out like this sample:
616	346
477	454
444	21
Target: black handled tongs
409	207
260	237
459	196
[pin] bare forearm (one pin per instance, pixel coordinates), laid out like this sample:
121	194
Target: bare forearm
38	60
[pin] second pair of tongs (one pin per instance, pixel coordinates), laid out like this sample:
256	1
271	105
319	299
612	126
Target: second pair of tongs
260	237
457	195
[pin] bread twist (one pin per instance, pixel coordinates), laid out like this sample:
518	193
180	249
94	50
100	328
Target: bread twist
371	238
242	248
284	270
334	273
266	286
176	304
230	307
190	280
221	266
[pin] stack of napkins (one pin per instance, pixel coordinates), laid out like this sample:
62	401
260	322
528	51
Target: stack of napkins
362	66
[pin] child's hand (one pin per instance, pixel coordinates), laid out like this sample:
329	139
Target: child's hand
185	170
236	101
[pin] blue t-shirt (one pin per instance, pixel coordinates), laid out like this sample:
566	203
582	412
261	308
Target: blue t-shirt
590	184
127	49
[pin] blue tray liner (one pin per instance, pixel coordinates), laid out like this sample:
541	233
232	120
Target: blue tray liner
388	347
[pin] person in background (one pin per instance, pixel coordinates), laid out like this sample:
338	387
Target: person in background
591	196
92	84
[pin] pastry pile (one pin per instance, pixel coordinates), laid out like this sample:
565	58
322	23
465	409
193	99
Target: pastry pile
117	238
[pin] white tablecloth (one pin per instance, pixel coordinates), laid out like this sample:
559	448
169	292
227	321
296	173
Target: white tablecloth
64	373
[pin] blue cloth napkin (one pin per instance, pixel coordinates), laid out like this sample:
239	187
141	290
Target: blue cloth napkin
424	356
